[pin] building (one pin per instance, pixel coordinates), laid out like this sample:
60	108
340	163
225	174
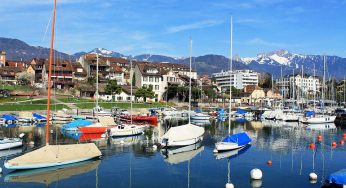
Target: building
8	74
62	74
79	74
296	86
160	75
36	66
239	79
253	95
2	58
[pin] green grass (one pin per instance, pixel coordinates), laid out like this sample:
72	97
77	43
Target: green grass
73	100
109	105
16	87
28	107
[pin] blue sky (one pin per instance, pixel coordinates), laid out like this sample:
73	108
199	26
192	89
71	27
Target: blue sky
135	27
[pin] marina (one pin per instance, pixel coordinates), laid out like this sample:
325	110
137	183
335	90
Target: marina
134	162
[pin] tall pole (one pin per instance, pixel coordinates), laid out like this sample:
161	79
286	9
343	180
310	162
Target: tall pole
293	85
324	79
190	81
131	75
344	90
50	73
230	76
315	87
97	80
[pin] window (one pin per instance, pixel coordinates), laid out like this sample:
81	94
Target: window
151	79
145	78
128	98
156	87
156	79
120	98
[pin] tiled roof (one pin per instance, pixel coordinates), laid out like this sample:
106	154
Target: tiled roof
60	65
10	71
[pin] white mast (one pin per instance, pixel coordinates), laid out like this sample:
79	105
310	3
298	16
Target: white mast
344	90
190	81
324	79
131	75
97	80
230	77
315	87
293	84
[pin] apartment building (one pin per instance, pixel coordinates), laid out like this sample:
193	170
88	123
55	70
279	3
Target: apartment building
239	79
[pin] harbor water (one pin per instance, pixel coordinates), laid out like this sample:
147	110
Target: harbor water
135	162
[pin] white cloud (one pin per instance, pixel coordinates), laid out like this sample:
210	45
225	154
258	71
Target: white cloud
259	41
197	25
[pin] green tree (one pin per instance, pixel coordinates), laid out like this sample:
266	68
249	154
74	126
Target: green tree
145	93
265	81
112	87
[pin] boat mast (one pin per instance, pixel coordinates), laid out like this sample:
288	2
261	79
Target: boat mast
131	89
97	80
50	74
315	87
344	90
230	77
324	79
190	81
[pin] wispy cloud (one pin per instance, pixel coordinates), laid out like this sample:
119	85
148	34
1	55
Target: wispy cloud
250	21
196	25
259	41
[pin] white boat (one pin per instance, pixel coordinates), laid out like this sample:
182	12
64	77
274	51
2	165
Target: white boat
318	119
7	143
321	126
231	153
53	155
97	111
290	116
238	140
200	116
182	135
126	130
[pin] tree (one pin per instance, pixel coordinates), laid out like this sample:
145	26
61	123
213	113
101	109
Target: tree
145	93
91	80
112	87
265	81
25	78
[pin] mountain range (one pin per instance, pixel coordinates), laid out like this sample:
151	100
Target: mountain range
271	62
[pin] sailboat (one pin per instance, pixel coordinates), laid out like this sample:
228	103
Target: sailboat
238	140
127	129
53	155
185	134
322	118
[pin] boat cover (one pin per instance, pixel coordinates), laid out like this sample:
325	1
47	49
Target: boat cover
240	120
309	113
241	111
8	117
77	123
107	121
338	177
183	132
239	138
25	114
38	116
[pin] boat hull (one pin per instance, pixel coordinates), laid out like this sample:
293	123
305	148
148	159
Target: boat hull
152	119
319	120
54	155
116	132
169	143
91	130
200	117
13	144
227	146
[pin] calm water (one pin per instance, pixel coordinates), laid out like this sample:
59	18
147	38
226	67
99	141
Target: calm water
131	162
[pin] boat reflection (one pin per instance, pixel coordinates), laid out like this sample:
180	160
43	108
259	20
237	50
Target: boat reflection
126	141
200	122
232	154
322	126
51	174
181	154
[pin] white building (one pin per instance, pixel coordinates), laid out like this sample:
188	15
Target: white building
160	75
295	86
239	79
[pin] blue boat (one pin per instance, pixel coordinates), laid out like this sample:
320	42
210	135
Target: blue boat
233	153
232	142
39	117
9	119
73	126
338	177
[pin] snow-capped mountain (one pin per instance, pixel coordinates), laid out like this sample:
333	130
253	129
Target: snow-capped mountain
105	52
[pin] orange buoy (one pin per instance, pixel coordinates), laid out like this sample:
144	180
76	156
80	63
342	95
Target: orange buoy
342	142
334	144
319	138
269	162
344	135
312	146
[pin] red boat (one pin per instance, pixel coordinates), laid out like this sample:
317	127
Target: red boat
87	137
94	128
151	119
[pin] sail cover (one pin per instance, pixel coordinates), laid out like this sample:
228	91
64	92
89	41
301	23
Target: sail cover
239	138
183	132
338	177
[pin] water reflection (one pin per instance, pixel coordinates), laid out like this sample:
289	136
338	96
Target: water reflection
52	174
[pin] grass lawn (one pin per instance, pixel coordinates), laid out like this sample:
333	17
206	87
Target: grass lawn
109	105
16	87
29	107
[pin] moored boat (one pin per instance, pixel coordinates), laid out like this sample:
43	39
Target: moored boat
152	119
232	142
182	135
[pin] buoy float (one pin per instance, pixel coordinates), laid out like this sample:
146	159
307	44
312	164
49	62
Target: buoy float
312	176
342	142
229	185
312	146
344	135
256	174
319	138
334	144
269	162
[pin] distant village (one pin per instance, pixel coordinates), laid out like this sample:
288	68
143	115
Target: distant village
167	81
